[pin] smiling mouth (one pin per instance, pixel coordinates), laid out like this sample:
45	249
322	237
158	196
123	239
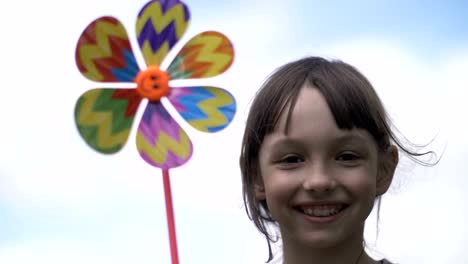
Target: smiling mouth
321	210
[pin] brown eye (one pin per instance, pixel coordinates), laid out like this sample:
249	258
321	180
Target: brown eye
290	162
292	159
347	157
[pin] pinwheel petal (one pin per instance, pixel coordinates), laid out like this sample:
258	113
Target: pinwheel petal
206	55
206	108
104	53
161	142
160	25
104	117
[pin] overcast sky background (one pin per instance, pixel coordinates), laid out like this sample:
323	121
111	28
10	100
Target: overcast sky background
61	202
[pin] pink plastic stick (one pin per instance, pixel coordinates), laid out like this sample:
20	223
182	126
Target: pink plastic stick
170	217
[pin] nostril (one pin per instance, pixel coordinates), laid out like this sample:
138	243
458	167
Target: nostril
153	77
155	86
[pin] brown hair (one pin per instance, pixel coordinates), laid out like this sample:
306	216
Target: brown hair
353	102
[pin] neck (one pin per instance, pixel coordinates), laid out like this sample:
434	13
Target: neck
350	251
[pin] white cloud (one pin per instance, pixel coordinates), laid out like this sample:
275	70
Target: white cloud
63	251
110	209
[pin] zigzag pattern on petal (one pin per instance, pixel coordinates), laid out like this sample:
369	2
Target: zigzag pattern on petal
104	47
208	109
159	27
160	140
104	122
167	153
206	55
132	98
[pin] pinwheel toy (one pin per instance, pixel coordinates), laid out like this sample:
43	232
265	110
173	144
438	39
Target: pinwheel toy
104	116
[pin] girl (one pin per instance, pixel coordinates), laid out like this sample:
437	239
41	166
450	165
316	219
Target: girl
317	153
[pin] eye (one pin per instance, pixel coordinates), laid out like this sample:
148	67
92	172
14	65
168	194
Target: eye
348	157
289	162
292	159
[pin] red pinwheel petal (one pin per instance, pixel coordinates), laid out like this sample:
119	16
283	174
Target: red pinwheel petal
208	54
104	53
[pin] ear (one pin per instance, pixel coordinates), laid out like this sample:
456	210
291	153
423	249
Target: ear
259	189
388	164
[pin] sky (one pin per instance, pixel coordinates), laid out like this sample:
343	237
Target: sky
61	202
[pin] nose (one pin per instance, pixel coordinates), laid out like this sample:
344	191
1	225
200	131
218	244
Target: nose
319	179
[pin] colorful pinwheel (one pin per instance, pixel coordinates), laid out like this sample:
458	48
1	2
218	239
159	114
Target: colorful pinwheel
104	116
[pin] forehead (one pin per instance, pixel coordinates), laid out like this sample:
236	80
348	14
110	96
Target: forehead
312	119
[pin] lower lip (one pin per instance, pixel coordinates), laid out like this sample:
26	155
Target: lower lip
323	220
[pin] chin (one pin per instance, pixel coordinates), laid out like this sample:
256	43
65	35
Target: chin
320	240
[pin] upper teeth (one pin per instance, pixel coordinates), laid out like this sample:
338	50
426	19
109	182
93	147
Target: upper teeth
325	210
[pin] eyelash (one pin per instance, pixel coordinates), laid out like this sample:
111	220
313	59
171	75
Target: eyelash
354	157
290	161
347	158
289	157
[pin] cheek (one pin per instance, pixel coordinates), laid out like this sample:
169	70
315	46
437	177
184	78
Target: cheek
361	183
280	187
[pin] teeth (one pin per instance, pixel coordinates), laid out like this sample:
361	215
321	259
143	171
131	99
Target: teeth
322	211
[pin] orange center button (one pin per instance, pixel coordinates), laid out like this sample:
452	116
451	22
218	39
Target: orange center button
152	83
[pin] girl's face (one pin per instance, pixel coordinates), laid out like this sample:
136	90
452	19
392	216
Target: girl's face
319	182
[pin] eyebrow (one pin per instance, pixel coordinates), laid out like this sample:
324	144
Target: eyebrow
287	140
350	136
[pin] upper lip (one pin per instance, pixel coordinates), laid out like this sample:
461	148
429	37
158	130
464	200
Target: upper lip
320	203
